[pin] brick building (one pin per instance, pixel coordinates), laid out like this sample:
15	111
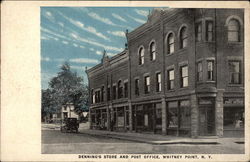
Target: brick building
182	73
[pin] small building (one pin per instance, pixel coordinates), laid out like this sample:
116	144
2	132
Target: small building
68	111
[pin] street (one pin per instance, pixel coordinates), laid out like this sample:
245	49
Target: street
55	142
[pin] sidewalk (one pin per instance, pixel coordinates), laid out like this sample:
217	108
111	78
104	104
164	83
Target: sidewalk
155	139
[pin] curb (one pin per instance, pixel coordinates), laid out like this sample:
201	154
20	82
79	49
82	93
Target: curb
153	142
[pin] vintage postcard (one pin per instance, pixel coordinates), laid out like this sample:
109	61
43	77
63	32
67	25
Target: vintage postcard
125	81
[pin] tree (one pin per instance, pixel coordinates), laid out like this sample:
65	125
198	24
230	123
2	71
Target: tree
67	87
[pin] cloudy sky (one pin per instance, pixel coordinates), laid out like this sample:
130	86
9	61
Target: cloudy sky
79	35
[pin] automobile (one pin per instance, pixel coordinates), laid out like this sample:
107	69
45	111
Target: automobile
70	125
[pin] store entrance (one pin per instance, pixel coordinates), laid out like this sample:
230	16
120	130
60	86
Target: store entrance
207	120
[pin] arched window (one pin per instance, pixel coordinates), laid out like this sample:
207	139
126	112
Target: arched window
152	51
120	89
141	56
170	43
183	37
233	32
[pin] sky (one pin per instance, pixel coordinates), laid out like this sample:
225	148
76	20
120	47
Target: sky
79	35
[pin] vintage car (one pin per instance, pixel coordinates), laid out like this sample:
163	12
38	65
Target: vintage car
70	125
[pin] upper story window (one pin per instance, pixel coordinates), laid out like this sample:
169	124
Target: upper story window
137	87
209	30
97	96
152	51
170	82
108	93
141	56
233	31
234	72
126	89
184	76
102	94
170	43
120	89
210	70
147	84
114	92
183	37
198	31
93	96
199	71
158	82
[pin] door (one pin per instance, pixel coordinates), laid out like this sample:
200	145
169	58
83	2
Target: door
207	121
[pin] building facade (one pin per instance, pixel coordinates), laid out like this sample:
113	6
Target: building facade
182	73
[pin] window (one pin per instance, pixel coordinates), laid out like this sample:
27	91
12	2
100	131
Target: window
183	37
114	92
210	70
108	93
126	89
158	114
170	79
170	43
147	84
97	96
184	76
141	56
199	71
120	89
93	96
233	31
137	87
152	51
172	114
209	30
102	94
158	82
198	32
234	72
185	116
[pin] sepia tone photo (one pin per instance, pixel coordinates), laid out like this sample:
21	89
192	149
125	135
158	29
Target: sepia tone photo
142	80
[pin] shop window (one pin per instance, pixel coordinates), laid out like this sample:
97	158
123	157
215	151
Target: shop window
126	89
147	84
120	89
170	43
108	93
114	92
233	31
152	51
210	70
172	114
141	56
158	114
198	32
158	82
185	116
137	87
234	72
199	71
234	118
93	118
184	76
183	37
209	31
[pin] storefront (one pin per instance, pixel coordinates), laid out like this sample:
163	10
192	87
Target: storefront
179	118
234	117
147	117
120	119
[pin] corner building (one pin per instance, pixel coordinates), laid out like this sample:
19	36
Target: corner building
181	74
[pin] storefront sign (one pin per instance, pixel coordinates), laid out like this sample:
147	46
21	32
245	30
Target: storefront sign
205	102
238	101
